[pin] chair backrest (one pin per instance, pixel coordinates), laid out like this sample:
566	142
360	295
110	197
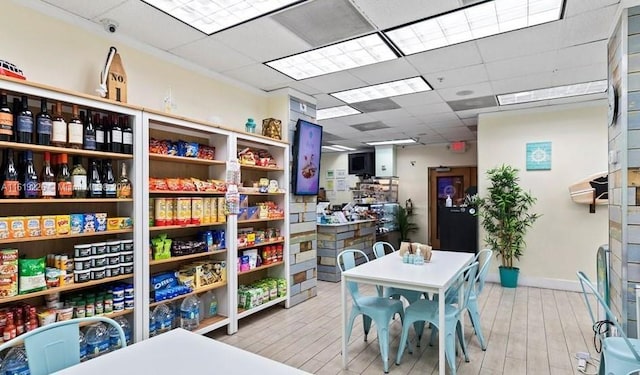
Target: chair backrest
346	261
56	346
587	285
484	257
379	248
465	277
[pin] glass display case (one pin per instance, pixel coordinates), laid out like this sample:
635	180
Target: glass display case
376	190
386	217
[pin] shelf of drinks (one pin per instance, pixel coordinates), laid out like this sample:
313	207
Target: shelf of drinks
263	267
259	168
260	244
185	257
185	160
171	192
65	288
259	220
117	313
198	291
66	236
252	193
211	324
66	200
65	150
242	313
172	227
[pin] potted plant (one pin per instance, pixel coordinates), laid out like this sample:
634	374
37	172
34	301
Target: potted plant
405	224
505	215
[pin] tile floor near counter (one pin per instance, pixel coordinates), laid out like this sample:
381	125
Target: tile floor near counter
529	331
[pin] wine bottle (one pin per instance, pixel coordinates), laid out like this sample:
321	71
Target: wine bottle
76	128
59	133
79	178
47	179
29	180
116	135
127	135
15	109
6	119
108	180
65	187
95	183
10	183
107	133
24	123
124	184
44	125
97	124
89	133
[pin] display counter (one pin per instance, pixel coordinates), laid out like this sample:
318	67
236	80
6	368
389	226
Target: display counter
333	238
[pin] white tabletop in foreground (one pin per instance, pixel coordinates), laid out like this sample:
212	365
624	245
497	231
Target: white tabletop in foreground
181	352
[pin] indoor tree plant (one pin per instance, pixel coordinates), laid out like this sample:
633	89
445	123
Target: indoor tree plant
405	225
505	215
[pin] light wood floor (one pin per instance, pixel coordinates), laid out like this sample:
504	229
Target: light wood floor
529	331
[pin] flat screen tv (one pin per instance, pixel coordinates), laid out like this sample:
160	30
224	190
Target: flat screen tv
362	164
306	158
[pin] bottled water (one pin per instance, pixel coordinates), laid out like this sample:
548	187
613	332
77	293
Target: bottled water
83	346
163	317
114	335
97	338
15	362
190	313
152	324
209	305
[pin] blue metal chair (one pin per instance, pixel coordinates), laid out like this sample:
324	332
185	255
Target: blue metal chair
410	295
377	309
56	346
619	353
426	310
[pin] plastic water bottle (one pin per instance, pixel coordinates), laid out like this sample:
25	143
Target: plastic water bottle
213	306
190	313
83	346
114	335
15	362
97	337
209	305
152	324
163	317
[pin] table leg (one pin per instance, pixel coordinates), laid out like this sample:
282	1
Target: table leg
460	297
345	358
441	333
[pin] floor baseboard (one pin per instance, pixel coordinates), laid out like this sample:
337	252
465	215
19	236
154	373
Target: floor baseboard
541	282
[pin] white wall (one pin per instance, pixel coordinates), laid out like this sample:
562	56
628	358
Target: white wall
565	239
335	161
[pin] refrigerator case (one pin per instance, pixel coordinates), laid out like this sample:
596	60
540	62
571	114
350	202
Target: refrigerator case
386	213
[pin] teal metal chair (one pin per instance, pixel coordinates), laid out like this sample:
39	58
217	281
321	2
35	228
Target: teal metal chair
426	310
619	353
379	250
380	310
56	346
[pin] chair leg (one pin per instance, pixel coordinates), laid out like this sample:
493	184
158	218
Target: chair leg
403	341
474	315
418	327
366	323
383	340
432	338
352	319
463	344
450	350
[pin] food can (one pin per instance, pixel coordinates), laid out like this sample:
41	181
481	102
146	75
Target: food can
196	210
206	210
171	220
183	207
221	210
160	215
213	217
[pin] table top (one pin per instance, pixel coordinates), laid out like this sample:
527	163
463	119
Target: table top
389	269
181	352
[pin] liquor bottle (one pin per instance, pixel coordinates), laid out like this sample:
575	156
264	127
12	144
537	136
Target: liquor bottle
65	187
89	133
75	129
15	109
108	180
124	184
24	123
127	135
29	180
47	179
107	133
10	184
59	133
6	119
95	183
44	125
97	124
78	178
116	135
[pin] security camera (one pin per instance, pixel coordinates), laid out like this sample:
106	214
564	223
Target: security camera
110	25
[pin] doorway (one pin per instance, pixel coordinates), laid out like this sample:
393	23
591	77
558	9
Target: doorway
443	182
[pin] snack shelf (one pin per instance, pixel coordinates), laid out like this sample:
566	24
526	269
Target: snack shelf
184	159
258	168
252	193
172	227
209	324
198	291
65	150
65	288
258	220
172	192
49	238
66	200
185	257
263	267
260	244
117	313
242	313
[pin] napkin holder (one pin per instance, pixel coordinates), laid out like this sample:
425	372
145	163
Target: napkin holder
412	248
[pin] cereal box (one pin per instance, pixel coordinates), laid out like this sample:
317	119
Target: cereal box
101	221
17	228
89	223
76	223
33	226
4	228
48	225
63	225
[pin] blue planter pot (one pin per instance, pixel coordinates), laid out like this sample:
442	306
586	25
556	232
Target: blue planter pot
509	277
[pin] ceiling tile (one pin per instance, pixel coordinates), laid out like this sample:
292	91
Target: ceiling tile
598	99
375	105
458	77
258	75
86	9
429	109
392	115
587	27
470	121
327	101
421	98
306	89
530	82
434	139
574	7
584	54
512	107
386	13
446	58
580	74
479	89
439	118
211	54
521	42
402	121
473	113
389	71
369	126
357	119
522	66
333	82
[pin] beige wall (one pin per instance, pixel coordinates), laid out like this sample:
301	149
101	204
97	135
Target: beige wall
565	239
334	161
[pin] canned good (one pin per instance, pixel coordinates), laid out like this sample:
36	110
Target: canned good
126	257
128	291
126	268
128	303
171	219
206	210
98	273
183	209
99	248
113	259
81	251
118	305
127	245
114	246
82	276
214	210
82	264
222	210
160	214
113	271
196	210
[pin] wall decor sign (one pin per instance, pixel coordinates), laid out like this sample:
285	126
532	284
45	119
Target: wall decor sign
539	156
330	174
341	173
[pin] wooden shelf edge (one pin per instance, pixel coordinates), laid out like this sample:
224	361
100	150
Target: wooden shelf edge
67	200
172	192
201	290
259	168
261	268
210	324
258	220
171	227
185	257
258	194
48	238
242	313
184	159
260	244
65	150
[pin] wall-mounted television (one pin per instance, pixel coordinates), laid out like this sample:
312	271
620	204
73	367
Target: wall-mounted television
362	164
306	158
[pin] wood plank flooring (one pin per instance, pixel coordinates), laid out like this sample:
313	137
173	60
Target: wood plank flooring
529	331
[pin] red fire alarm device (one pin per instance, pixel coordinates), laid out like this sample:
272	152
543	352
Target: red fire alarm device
459	146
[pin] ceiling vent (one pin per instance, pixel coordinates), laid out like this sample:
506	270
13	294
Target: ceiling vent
368	126
375	105
473	103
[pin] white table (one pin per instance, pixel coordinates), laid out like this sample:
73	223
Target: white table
433	277
181	352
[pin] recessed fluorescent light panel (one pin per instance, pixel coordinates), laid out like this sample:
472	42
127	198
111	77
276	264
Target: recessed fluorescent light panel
213	16
587	88
343	148
383	90
343	110
353	53
474	22
331	148
393	142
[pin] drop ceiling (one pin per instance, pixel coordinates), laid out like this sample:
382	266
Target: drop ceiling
465	77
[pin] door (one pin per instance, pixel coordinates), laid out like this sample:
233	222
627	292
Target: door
443	182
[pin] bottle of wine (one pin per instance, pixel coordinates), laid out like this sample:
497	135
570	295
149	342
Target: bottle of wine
95	183
75	128
10	183
16	108
97	124
6	119
59	134
79	178
107	133
44	125
89	133
47	179
29	180
127	135
108	180
24	123
124	184
65	187
116	135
